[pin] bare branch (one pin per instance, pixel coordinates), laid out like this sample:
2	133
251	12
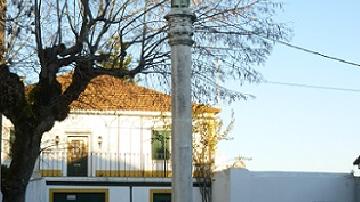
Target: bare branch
38	36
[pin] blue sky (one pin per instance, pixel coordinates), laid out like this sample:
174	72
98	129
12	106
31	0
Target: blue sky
303	129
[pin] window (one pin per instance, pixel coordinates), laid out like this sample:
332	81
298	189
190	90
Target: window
11	141
160	195
160	144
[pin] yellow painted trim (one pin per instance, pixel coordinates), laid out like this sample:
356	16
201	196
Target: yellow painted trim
52	191
117	173
158	191
51	173
132	173
138	173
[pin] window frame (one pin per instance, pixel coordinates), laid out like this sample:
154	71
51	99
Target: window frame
53	191
165	145
12	138
158	191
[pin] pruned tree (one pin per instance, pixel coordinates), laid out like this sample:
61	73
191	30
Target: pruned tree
208	130
45	38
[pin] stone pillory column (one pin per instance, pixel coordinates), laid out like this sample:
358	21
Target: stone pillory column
180	33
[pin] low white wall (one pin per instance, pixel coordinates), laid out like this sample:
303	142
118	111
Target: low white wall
357	189
142	194
119	194
36	190
221	187
241	185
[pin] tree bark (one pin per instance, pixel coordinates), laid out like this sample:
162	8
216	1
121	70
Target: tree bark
2	28
25	153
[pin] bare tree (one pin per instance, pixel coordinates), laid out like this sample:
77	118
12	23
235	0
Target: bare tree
208	131
46	37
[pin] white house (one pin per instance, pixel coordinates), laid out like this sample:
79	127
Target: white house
114	146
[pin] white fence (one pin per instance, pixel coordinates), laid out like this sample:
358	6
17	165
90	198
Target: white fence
241	185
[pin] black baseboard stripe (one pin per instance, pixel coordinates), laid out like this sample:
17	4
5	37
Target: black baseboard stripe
112	183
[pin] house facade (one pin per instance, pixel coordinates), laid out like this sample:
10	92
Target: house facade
115	145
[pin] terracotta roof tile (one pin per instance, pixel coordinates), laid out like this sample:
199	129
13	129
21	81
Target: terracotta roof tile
106	93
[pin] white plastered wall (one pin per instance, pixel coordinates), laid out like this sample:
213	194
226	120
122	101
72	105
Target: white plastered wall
127	134
241	185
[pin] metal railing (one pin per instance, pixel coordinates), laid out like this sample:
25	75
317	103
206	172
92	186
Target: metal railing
57	164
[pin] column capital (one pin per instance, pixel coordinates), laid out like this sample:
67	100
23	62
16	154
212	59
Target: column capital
180	26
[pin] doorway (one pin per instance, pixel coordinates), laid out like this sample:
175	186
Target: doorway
160	195
77	156
79	195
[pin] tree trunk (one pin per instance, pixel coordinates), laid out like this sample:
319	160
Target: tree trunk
2	28
25	153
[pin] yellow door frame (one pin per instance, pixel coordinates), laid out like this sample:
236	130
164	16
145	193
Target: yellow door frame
158	191
52	192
